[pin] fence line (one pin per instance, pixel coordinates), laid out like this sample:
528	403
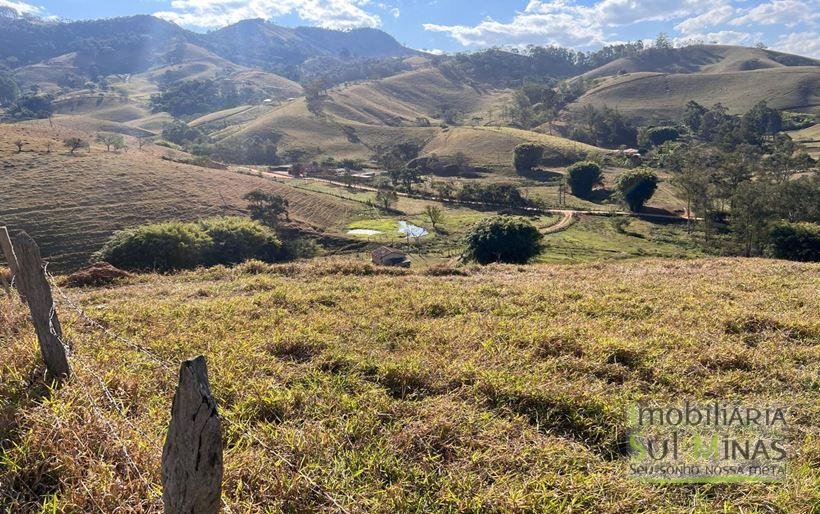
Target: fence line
168	366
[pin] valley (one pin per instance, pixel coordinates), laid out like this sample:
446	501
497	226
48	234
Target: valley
421	281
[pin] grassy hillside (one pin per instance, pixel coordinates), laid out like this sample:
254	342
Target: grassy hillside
700	59
810	138
71	204
494	146
502	390
400	99
649	96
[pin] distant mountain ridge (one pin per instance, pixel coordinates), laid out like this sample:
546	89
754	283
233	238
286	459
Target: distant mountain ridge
132	44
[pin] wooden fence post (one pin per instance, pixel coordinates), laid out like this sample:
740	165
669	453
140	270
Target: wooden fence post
8	252
192	454
33	284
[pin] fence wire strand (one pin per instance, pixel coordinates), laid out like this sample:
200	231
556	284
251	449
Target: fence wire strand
168	366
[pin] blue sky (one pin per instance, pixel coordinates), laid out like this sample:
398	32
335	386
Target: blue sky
464	25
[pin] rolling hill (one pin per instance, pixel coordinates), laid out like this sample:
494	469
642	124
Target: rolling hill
71	204
655	85
700	59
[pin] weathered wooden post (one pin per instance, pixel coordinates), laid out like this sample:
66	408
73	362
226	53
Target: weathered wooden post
33	284
192	455
11	259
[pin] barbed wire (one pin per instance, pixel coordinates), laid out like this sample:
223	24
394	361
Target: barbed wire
168	366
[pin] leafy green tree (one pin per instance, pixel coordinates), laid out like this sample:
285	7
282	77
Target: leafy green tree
582	177
9	91
795	241
178	132
503	239
527	156
236	239
751	215
656	136
111	140
386	196
266	207
692	116
31	106
435	214
637	187
158	247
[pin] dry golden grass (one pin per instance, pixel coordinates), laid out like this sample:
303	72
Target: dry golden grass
657	96
71	204
497	389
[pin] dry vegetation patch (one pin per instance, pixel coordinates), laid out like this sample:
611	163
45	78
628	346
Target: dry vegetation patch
499	390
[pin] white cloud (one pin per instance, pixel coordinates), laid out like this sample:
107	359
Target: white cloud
800	43
723	37
710	18
781	12
626	12
553	22
20	7
564	22
336	14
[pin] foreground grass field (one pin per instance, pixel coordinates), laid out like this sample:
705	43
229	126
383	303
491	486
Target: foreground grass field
492	389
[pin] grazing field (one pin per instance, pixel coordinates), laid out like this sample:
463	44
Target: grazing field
652	97
498	389
71	204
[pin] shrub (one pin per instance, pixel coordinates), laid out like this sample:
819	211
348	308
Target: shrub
527	156
656	136
236	240
161	247
176	245
795	241
503	239
637	187
582	177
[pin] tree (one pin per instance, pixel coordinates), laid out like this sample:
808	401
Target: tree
692	116
435	214
637	187
662	41
74	143
751	214
582	177
444	190
386	195
795	241
266	207
527	156
9	91
404	176
109	139
31	106
143	141
656	136
503	239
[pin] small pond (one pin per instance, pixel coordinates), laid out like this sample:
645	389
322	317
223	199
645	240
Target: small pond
364	232
411	230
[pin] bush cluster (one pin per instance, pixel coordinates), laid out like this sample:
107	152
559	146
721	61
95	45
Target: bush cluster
503	239
178	245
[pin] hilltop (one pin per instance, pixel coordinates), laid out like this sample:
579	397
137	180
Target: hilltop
653	86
